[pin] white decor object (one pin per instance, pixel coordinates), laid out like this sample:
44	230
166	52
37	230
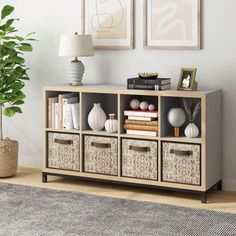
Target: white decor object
191	131
134	104
111	125
97	118
151	107
76	46
176	117
75	108
144	106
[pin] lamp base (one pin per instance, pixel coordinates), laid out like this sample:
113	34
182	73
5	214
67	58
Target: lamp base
176	132
75	72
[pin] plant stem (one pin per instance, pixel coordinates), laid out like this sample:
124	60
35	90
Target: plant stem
1	135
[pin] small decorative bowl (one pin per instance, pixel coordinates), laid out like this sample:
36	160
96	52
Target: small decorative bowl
148	75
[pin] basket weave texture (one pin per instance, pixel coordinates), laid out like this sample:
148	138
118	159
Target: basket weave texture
8	157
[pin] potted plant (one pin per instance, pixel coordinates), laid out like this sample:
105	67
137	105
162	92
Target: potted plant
13	74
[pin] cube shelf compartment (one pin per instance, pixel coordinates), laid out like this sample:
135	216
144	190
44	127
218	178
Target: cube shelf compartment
136	159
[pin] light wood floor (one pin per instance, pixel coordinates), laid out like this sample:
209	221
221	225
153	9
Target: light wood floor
218	201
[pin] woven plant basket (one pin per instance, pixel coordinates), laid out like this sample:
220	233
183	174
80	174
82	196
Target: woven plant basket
8	158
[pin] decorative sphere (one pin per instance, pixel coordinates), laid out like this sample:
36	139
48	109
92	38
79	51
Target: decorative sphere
151	107
134	104
144	106
176	117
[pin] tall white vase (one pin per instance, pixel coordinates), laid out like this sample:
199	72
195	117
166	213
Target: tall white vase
191	131
97	118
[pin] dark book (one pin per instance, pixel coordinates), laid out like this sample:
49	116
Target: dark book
158	81
149	87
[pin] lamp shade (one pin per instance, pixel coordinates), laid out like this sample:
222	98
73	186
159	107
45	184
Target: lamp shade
76	45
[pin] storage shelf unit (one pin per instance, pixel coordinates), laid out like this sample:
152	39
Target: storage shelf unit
115	99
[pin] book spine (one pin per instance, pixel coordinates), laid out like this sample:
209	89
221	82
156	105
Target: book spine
140	132
56	116
69	119
49	113
139	118
136	122
64	112
159	81
149	87
60	112
141	114
76	115
53	115
141	127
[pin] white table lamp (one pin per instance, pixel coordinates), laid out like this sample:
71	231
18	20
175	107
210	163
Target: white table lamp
76	46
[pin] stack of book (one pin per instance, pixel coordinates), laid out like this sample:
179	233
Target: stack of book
140	122
64	111
149	84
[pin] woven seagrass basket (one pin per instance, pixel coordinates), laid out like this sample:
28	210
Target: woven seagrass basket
8	158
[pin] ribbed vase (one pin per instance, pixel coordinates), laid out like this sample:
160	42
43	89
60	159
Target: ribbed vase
191	131
97	118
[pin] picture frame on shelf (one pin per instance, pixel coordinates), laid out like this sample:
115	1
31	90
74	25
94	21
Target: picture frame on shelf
111	23
187	79
172	24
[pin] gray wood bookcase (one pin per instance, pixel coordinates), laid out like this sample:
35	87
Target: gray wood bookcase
197	172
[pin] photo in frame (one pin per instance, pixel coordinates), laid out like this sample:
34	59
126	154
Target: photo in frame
187	79
172	24
110	22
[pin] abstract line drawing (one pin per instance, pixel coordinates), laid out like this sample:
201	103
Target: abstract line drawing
96	22
172	24
110	22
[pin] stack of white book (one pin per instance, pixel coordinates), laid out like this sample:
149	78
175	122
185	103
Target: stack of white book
140	122
64	112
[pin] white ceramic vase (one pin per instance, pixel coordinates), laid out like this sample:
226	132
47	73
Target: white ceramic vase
191	131
97	118
111	125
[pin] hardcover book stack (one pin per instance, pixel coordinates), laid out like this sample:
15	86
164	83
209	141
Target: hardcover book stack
64	111
141	122
149	84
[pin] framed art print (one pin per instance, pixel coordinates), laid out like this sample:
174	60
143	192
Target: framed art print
172	24
110	22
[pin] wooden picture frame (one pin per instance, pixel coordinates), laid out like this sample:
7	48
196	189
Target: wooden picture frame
107	37
171	44
187	79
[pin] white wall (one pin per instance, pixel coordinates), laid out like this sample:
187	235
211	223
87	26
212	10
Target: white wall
216	64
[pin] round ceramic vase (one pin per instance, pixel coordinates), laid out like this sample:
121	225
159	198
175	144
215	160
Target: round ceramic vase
111	125
176	117
191	131
97	118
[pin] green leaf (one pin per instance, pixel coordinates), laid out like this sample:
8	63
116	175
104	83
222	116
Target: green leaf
29	34
31	39
6	11
25	47
20	102
19	38
19	96
10	44
11	111
19	60
25	78
9	22
17	86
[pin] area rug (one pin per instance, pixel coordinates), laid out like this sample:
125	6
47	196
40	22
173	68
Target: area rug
36	211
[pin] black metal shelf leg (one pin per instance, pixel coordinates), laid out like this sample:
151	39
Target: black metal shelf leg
204	197
219	186
44	177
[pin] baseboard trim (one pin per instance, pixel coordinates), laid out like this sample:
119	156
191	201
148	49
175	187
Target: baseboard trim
229	185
